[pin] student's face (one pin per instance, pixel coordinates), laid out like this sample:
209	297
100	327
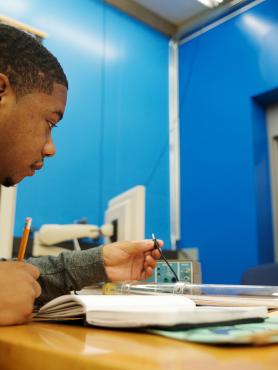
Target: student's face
25	130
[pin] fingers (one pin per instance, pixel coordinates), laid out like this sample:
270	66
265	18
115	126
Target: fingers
145	245
148	267
18	292
34	271
160	242
149	261
151	257
38	289
133	247
156	254
147	273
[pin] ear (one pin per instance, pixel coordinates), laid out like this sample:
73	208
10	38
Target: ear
5	87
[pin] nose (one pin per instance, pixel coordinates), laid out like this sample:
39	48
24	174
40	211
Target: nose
49	149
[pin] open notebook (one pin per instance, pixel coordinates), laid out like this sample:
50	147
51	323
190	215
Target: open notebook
134	311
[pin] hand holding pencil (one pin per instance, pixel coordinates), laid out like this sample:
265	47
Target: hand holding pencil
19	287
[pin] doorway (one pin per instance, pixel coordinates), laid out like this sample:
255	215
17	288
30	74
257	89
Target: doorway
272	132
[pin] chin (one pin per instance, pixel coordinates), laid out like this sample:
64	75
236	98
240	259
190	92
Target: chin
8	181
12	180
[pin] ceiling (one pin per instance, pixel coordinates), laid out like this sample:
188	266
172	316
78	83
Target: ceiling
174	11
179	18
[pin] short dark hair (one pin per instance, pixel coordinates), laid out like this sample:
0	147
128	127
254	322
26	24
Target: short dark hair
27	63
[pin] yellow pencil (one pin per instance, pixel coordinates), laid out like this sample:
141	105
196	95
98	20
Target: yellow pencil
24	239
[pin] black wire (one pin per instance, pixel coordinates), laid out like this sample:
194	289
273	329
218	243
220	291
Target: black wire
156	246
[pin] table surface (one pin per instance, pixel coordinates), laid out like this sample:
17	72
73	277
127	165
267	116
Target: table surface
41	345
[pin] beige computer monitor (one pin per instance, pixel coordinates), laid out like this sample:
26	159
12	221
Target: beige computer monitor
126	212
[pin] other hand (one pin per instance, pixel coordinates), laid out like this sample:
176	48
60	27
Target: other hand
18	290
134	260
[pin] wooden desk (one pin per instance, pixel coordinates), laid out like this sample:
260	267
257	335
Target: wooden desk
39	346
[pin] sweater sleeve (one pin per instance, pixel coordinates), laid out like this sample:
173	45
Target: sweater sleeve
68	271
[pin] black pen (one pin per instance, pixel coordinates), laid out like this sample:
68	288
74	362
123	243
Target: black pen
156	246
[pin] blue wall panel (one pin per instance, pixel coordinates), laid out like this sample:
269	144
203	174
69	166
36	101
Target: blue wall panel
136	119
226	208
115	131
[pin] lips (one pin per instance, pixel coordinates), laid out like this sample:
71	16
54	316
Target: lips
37	166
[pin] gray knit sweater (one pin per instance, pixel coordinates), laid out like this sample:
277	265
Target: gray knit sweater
68	271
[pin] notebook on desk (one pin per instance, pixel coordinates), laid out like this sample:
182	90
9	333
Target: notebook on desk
133	311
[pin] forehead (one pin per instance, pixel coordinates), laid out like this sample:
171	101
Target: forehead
54	102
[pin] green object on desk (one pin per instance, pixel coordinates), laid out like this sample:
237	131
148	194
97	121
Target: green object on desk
256	333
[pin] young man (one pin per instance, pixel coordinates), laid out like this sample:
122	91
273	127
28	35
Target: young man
33	94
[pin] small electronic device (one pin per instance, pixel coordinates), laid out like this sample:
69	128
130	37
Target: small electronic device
186	270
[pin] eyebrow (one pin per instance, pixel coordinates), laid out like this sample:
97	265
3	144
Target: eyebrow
59	114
